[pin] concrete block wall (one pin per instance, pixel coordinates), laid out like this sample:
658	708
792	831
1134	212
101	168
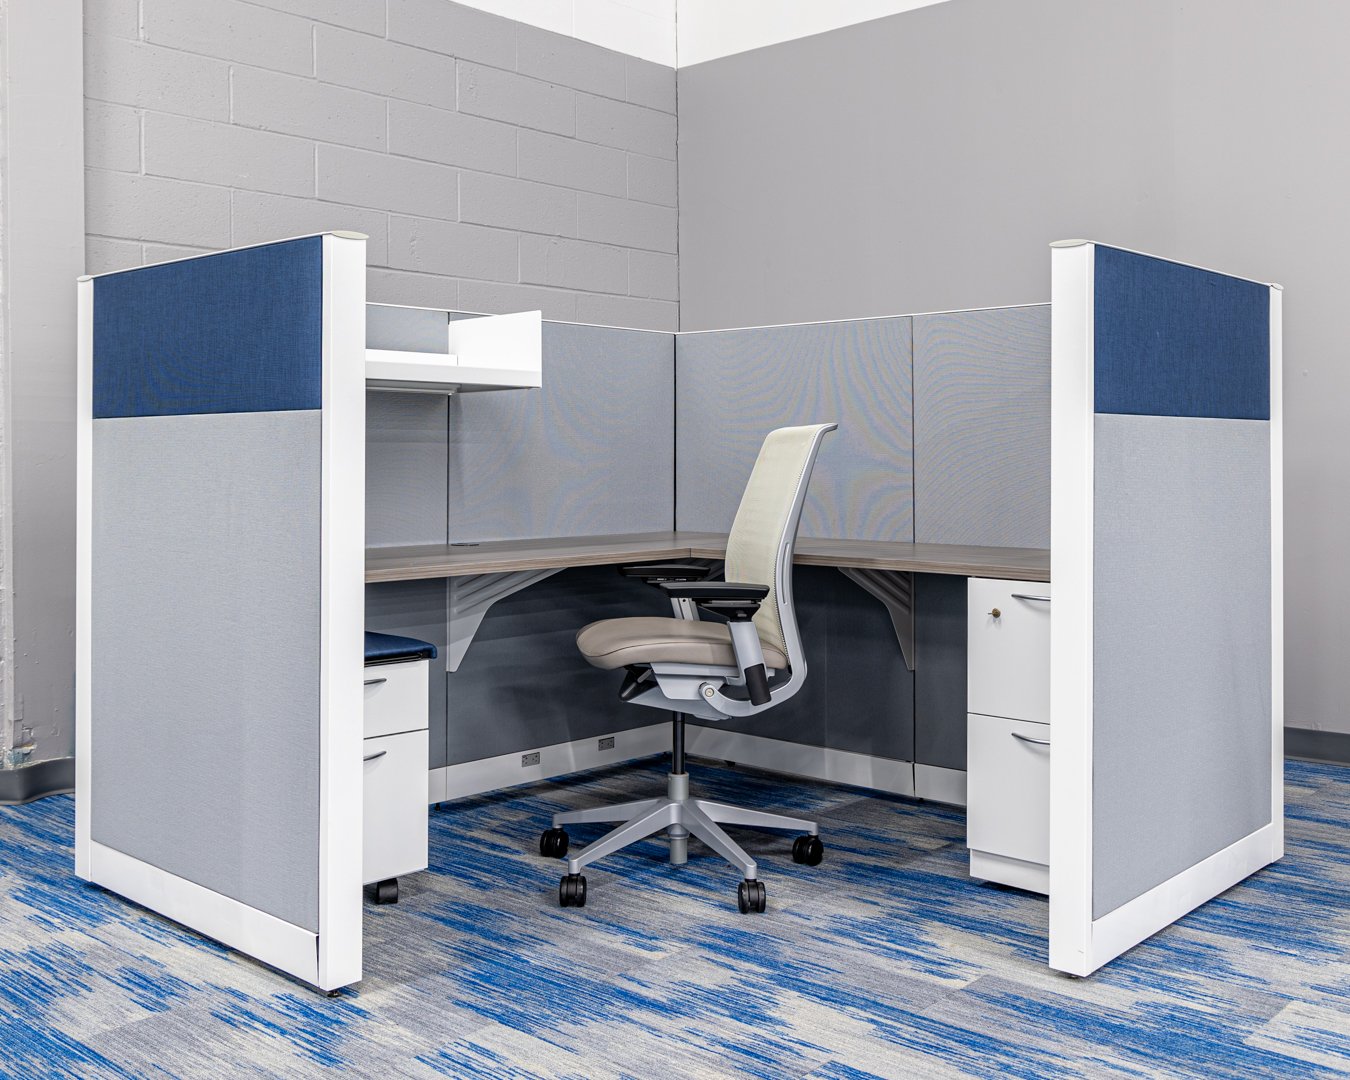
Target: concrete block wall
495	166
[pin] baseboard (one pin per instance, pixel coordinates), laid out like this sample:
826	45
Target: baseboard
559	759
1333	746
37	781
936	784
799	759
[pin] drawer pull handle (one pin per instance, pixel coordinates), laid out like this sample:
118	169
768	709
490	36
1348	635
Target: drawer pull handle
996	613
1028	739
377	754
375	682
1029	596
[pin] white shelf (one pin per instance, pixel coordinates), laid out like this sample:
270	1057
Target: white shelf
494	352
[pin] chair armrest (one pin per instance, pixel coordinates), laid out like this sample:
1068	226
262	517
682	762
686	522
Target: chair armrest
655	573
714	590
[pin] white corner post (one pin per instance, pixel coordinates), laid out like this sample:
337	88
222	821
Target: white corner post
1071	486
343	526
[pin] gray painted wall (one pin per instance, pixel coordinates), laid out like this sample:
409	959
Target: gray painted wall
495	166
41	241
928	159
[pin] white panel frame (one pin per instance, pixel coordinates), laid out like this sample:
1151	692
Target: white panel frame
280	944
84	580
1071	485
343	530
331	958
1079	944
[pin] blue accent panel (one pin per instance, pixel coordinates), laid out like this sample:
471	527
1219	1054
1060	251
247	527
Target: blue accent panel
384	648
240	331
1172	340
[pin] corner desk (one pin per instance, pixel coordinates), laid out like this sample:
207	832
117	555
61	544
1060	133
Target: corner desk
1008	630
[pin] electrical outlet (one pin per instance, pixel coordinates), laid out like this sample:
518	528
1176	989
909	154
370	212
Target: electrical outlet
607	743
526	760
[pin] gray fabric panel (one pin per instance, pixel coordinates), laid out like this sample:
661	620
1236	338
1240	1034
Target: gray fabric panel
858	694
406	329
940	631
205	651
406	462
588	454
735	386
416	609
1181	646
523	683
982	427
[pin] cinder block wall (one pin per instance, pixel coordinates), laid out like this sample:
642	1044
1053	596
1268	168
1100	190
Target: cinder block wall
495	166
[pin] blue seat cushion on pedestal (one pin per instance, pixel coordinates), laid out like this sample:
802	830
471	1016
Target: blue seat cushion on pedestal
386	648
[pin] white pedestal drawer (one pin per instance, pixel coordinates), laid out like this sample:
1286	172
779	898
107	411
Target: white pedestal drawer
395	806
1008	658
1008	732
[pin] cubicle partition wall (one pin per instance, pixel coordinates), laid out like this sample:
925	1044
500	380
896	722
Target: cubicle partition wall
219	640
944	437
589	453
1166	641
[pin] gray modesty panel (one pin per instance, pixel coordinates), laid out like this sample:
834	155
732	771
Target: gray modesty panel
416	609
736	386
588	454
1181	731
205	618
406	460
858	695
940	628
523	684
407	329
982	427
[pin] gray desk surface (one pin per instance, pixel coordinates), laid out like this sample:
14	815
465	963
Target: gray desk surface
501	556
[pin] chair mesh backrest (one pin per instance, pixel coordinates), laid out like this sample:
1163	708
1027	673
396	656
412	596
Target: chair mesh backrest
766	521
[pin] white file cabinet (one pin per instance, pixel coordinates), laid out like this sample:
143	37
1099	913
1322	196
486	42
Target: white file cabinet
395	797
1008	732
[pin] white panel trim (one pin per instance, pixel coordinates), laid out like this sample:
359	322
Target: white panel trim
1071	487
1164	904
280	944
1277	568
84	507
709	29
799	759
343	530
939	785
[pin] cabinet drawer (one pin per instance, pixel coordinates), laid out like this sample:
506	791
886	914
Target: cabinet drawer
395	806
396	697
1008	659
1008	789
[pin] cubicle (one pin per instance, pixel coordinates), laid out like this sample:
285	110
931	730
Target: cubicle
492	523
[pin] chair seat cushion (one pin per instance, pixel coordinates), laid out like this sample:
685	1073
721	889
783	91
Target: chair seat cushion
616	643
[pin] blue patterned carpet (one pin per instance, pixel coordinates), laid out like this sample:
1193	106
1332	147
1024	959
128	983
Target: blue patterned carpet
884	961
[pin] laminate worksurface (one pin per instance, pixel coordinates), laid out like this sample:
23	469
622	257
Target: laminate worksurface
505	556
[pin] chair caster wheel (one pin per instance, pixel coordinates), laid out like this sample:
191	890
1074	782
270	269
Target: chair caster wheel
553	843
808	850
386	892
572	891
750	896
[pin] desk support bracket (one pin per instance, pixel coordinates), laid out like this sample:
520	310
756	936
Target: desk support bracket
895	589
469	598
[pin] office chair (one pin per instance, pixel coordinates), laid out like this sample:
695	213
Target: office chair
712	670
